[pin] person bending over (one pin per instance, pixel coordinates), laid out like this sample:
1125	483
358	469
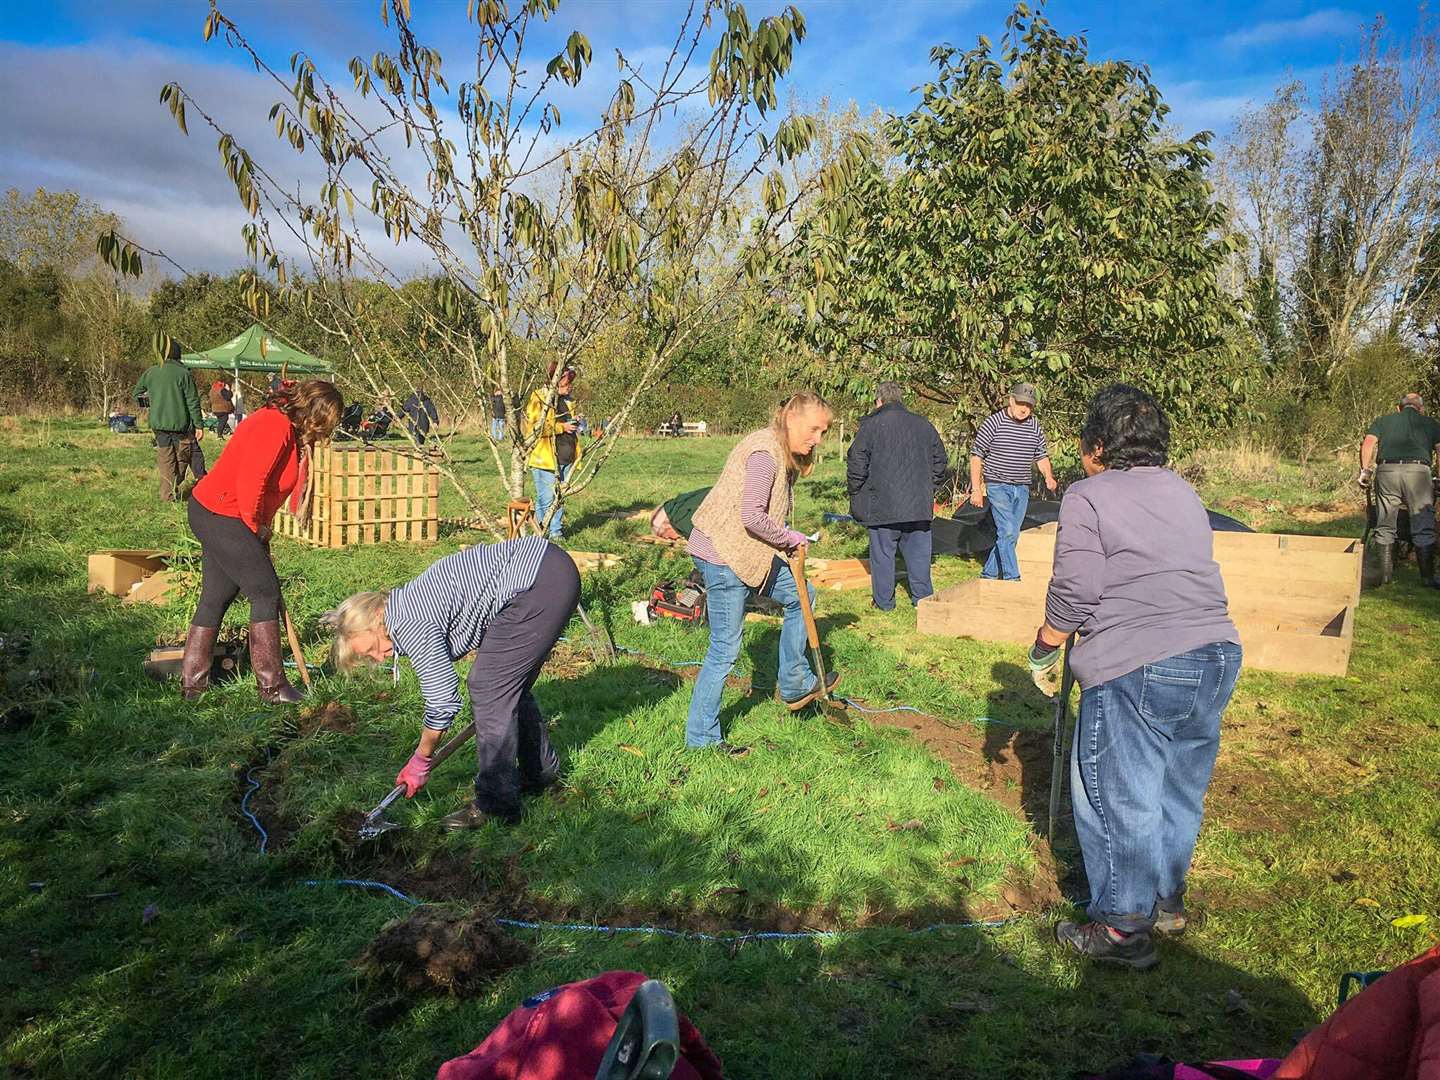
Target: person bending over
1156	656
231	509
739	534
508	603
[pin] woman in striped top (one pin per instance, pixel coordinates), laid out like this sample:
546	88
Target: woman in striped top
506	602
739	533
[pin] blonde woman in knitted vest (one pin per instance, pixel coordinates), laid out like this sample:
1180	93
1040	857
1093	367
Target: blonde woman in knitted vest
741	533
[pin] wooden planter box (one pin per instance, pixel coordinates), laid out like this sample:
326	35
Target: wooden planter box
363	495
1292	598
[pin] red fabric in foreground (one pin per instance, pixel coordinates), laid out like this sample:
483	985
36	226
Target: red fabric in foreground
1390	1029
562	1034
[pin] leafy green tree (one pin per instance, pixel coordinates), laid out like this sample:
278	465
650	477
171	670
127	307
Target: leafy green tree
545	246
1033	221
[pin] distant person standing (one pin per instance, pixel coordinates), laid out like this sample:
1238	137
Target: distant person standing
222	405
175	417
420	413
497	416
1395	456
550	418
1008	446
892	470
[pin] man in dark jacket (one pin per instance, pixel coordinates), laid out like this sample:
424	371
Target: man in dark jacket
420	413
175	417
893	469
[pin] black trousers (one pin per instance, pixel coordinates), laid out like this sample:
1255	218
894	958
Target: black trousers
233	560
508	723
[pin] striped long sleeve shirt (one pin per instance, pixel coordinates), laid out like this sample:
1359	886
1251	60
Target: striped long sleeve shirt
1009	448
442	614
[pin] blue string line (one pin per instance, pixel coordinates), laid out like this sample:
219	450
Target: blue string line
362	883
244	804
737	937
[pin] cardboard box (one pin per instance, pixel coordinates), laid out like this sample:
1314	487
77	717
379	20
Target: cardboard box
120	570
155	589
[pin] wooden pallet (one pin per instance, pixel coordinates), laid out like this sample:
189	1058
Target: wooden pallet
838	573
365	495
586	561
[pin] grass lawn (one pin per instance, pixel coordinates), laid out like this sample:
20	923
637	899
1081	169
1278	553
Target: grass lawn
144	933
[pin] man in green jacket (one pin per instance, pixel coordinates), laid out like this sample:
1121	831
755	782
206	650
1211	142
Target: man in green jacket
1395	456
175	417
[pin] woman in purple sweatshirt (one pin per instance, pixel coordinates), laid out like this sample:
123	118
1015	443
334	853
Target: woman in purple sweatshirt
1156	656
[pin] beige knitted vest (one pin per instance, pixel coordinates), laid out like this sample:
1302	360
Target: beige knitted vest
719	515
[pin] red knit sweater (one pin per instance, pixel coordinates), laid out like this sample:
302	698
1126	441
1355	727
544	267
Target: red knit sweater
258	468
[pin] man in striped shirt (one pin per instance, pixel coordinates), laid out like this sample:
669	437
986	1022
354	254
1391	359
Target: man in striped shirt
1007	447
508	603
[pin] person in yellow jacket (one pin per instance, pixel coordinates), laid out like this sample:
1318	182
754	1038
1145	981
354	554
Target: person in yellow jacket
557	449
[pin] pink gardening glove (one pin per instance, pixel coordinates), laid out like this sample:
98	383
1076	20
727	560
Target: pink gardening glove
415	774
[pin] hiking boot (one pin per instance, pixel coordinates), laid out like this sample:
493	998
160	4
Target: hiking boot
1173	923
1096	941
195	664
269	668
470	816
796	704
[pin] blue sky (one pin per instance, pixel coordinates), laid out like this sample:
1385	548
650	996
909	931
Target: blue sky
79	79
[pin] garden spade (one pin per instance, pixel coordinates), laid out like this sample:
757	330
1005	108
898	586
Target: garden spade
830	706
375	822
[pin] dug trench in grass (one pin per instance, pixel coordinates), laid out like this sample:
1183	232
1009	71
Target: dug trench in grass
1157	657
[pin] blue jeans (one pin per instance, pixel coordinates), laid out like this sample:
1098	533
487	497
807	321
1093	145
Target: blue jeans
497	429
545	484
1008	503
1145	745
913	540
725	596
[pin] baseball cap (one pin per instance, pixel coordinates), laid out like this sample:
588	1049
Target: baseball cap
1024	392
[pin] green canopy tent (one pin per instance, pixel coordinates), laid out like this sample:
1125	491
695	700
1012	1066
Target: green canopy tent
256	349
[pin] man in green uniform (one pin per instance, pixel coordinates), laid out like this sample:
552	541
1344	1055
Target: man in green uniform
175	416
1395	456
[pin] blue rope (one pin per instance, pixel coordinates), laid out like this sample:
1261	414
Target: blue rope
245	799
737	937
362	883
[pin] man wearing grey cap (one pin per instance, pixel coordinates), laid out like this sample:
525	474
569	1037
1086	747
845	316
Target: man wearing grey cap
1007	447
1395	455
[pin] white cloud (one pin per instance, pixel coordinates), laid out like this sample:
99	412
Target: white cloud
1329	22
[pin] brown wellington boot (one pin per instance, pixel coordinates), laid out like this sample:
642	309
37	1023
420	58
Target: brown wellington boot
196	662
275	688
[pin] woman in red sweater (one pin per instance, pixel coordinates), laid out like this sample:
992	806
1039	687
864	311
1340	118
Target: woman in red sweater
266	460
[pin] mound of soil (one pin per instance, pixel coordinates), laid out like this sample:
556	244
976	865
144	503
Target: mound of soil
326	716
436	951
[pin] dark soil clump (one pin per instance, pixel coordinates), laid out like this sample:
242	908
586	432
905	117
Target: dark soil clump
329	716
436	951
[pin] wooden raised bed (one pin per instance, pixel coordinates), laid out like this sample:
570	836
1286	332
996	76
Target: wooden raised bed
1293	599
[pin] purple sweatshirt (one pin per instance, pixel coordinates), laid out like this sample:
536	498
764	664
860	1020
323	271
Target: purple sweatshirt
1134	573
